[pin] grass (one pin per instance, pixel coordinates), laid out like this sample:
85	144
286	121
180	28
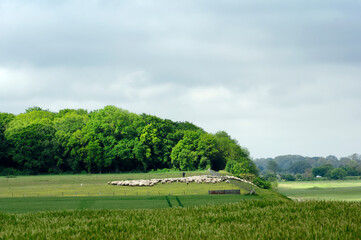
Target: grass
340	190
260	219
65	192
34	204
96	185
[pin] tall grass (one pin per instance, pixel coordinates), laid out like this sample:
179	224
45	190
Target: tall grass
243	220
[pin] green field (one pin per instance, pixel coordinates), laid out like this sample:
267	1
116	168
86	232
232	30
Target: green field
96	185
70	192
341	190
259	219
34	204
45	207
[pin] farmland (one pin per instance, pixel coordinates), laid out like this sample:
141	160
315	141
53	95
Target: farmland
341	190
261	219
69	192
39	207
96	185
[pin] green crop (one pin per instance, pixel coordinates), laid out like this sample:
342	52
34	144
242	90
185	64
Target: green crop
261	219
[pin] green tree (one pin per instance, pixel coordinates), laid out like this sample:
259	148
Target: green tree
272	166
68	126
104	130
32	137
338	173
5	158
299	166
189	142
34	149
208	150
323	170
230	150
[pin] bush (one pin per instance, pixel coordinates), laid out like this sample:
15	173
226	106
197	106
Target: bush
288	177
162	170
247	176
270	176
10	172
260	182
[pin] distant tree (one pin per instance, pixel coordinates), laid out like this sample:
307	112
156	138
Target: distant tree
338	173
272	166
288	177
270	176
299	167
322	171
308	174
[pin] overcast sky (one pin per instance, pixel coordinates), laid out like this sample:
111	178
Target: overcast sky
281	77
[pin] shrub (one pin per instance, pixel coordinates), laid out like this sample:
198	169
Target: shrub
288	177
260	182
10	172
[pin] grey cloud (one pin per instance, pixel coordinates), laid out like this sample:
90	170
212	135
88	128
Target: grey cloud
269	72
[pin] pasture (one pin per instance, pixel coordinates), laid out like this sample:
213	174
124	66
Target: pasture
96	185
70	192
336	190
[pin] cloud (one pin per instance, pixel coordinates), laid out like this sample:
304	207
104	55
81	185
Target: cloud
281	76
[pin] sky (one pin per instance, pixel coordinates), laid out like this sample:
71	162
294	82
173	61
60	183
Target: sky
280	76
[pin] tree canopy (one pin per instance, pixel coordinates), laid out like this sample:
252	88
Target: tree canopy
111	140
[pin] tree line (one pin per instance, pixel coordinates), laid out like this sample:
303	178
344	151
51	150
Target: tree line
296	167
110	140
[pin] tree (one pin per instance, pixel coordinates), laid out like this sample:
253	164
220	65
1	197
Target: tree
34	149
299	167
323	170
31	135
102	133
5	158
152	144
111	140
68	126
208	150
189	142
35	108
272	166
338	173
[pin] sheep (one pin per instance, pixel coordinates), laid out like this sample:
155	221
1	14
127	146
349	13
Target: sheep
187	180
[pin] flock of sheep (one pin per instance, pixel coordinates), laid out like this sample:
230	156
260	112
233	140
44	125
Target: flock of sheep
196	179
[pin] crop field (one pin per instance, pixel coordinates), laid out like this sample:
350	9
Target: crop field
35	204
86	207
340	190
260	219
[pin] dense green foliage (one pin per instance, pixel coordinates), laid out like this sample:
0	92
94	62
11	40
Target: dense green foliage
243	220
110	140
